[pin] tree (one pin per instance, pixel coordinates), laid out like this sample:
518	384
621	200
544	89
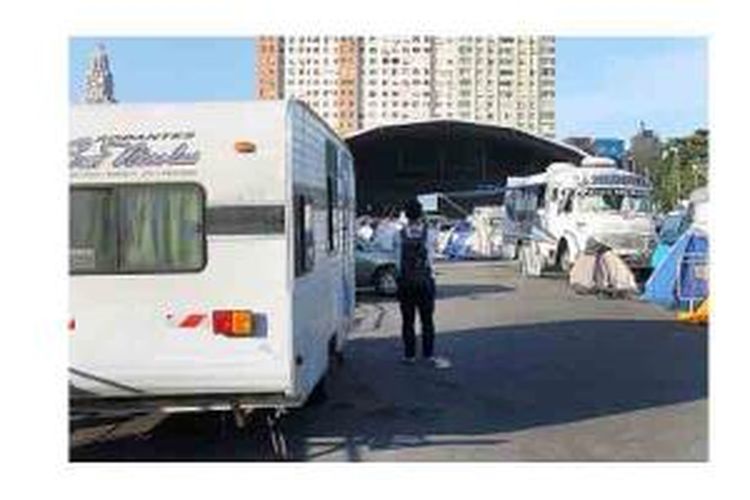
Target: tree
683	167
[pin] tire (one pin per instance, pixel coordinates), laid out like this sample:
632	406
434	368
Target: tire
319	394
338	358
563	258
385	281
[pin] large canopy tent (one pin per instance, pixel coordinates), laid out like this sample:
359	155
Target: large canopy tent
395	162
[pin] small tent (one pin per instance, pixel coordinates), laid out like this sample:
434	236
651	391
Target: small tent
681	280
458	244
602	271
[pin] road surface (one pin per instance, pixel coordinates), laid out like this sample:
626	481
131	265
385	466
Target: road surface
539	373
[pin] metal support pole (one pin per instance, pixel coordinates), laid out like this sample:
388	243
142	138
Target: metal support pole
454	204
483	160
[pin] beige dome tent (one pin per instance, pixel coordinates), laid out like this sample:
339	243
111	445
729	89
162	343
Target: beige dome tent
602	271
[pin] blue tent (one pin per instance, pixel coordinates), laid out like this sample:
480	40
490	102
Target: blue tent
673	226
659	253
682	276
457	247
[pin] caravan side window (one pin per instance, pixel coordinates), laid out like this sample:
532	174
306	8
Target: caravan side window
332	172
304	242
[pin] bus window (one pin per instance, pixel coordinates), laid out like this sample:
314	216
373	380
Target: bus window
540	196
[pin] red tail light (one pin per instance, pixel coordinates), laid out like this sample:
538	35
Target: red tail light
233	323
71	325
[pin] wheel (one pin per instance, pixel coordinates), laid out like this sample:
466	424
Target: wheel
338	358
319	394
563	258
385	281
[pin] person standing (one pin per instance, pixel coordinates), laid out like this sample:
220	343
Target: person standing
365	231
416	284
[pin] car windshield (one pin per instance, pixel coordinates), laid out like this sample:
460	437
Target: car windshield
614	200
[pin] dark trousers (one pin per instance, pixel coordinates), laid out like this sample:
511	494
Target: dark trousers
412	298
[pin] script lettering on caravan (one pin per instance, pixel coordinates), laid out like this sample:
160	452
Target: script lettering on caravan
126	151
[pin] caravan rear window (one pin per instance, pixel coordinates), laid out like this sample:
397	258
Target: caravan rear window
137	229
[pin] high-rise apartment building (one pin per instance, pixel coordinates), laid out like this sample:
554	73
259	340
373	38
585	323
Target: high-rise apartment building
270	67
356	83
396	80
323	71
505	80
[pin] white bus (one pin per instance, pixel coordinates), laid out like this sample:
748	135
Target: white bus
568	207
211	254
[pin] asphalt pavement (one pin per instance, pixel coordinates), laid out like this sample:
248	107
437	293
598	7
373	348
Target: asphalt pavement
539	374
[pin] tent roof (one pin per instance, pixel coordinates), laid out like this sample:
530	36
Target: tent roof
441	129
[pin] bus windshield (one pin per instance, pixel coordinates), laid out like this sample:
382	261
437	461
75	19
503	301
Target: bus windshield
614	200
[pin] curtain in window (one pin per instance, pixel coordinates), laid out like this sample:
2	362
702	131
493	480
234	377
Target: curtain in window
160	228
92	230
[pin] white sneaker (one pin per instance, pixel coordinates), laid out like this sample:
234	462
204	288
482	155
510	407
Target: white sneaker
439	362
408	361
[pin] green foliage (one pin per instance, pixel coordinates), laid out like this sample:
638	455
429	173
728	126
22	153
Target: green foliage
682	168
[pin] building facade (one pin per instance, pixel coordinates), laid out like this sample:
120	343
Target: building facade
508	81
645	149
396	80
323	71
608	147
359	83
270	68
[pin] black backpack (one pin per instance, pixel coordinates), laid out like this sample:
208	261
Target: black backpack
415	264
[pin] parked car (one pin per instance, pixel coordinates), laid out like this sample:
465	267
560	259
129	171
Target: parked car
375	268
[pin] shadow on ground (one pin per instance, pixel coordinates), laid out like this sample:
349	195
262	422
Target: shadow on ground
504	379
444	291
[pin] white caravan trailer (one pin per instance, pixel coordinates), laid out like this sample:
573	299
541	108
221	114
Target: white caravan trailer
211	254
569	207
